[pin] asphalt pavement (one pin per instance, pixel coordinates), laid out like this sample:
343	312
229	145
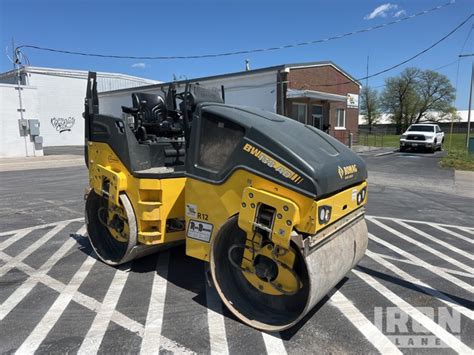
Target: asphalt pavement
55	297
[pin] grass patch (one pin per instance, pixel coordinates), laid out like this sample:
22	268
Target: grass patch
456	142
458	159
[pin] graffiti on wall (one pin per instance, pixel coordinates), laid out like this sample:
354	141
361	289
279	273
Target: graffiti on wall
63	124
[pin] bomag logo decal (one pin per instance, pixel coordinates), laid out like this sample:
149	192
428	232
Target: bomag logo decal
347	172
272	163
340	171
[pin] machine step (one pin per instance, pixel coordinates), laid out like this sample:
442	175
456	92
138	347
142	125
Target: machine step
150	203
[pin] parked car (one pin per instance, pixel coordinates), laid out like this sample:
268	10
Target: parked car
422	136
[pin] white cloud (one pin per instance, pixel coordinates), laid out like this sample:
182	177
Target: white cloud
139	65
381	11
400	13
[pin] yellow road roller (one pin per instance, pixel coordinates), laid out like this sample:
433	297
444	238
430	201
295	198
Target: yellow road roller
274	206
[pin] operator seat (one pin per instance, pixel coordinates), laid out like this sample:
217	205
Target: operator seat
151	110
152	118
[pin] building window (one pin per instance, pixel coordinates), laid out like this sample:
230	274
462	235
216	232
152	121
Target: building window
340	118
298	112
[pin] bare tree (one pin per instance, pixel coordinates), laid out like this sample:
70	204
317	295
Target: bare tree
415	94
370	106
399	96
436	94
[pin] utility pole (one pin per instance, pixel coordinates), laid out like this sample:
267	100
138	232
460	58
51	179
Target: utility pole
17	65
470	100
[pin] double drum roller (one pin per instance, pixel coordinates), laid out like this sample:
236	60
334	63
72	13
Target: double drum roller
275	207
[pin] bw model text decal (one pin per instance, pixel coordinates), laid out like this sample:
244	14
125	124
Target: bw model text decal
272	163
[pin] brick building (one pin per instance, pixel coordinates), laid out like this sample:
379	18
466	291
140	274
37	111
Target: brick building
317	94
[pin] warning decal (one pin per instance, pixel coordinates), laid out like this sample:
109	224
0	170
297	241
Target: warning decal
199	230
191	210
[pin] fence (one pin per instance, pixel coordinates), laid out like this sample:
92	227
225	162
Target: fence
373	139
377	140
391	128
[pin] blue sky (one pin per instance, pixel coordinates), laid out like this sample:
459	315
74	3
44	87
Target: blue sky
186	27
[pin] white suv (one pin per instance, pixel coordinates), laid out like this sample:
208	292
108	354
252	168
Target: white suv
426	135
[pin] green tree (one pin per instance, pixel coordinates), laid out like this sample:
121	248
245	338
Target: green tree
370	106
414	96
399	97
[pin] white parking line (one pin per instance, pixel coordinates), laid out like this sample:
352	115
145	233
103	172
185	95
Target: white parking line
436	240
106	311
16	237
445	269
424	264
95	335
94	305
41	226
421	285
215	319
446	337
460	236
47	323
467	229
363	325
274	344
423	246
17	296
423	222
31	248
84	300
154	320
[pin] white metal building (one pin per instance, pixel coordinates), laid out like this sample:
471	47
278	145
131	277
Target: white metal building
53	97
320	94
251	88
461	116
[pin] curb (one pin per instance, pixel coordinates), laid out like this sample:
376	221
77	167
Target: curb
385	153
44	162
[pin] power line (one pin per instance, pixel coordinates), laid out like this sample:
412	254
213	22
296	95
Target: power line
249	51
434	69
467	38
409	59
446	65
459	63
